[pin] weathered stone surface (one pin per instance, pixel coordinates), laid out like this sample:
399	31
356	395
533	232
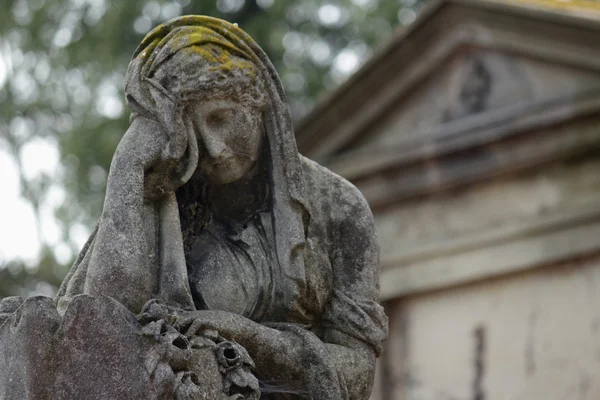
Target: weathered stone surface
213	222
99	350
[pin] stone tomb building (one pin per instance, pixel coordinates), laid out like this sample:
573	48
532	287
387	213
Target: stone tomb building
475	136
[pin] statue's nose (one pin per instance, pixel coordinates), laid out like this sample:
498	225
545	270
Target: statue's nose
213	145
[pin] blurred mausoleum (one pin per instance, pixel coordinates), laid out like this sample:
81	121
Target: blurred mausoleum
475	136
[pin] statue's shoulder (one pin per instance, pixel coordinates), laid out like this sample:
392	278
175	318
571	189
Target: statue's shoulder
327	190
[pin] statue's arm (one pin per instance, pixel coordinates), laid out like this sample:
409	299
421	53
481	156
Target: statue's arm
120	260
353	322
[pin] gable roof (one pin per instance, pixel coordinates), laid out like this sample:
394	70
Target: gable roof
554	32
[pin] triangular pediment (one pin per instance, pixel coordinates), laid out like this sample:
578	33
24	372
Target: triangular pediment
462	64
478	84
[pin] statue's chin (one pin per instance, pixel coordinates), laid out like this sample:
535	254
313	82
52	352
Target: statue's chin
222	180
225	174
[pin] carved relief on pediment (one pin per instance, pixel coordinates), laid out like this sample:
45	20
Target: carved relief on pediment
474	87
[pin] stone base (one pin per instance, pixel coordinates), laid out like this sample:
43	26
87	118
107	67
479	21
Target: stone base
99	350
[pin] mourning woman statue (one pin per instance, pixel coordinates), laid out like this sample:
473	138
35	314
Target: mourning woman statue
214	220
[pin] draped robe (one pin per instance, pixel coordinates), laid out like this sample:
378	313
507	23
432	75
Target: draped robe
308	264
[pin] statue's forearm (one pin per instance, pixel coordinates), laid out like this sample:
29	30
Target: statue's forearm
286	357
283	357
357	368
123	251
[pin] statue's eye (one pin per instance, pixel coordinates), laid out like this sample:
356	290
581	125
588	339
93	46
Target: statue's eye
214	119
218	118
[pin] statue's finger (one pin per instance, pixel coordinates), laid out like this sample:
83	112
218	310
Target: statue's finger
194	328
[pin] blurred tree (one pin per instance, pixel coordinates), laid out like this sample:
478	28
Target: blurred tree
62	64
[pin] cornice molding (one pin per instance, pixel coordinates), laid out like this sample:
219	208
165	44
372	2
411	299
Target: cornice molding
564	235
474	131
481	157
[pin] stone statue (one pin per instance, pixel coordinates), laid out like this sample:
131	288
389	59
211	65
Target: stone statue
216	231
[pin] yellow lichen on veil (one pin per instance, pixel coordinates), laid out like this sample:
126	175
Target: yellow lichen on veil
220	59
203	37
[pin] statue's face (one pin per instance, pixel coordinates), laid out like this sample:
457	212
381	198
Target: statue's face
229	137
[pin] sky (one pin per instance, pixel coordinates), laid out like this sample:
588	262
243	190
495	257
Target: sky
18	232
20	235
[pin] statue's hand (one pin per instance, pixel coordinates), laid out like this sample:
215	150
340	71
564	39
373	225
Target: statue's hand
142	147
220	321
154	310
277	354
142	144
257	339
191	323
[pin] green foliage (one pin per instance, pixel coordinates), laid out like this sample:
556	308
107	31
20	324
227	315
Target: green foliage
65	61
